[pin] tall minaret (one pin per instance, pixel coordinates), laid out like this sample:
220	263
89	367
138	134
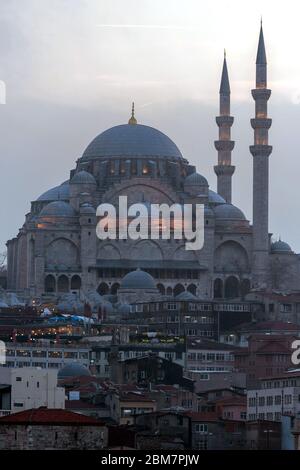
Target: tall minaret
261	151
224	170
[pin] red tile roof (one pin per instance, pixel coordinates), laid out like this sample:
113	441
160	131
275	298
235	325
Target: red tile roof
48	416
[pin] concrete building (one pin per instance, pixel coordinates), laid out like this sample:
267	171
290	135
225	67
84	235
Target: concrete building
26	388
265	356
274	397
57	252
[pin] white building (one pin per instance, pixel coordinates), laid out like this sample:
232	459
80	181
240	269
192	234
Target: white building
28	387
276	396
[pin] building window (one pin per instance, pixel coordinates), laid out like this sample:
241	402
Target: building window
278	400
201	428
18	379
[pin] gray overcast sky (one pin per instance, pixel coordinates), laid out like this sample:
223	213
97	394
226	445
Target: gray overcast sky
72	68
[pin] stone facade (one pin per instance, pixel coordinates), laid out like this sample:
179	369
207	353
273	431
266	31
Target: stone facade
57	250
55	437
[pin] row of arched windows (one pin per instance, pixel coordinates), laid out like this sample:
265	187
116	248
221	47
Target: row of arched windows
62	284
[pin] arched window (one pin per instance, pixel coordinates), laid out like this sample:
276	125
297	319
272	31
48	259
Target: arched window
103	288
218	289
178	289
114	288
50	283
161	289
75	282
232	287
192	288
63	284
169	291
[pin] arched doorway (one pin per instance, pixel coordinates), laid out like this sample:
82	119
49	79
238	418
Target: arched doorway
76	282
161	289
50	283
178	289
103	289
232	287
218	289
63	283
114	288
192	288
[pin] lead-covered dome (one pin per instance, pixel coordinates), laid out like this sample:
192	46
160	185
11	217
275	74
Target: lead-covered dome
130	141
58	209
195	179
228	212
74	369
83	177
215	198
280	247
138	280
61	192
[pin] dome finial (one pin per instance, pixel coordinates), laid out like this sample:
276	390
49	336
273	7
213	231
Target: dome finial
132	120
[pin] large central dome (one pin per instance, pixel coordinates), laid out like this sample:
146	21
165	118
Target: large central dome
132	141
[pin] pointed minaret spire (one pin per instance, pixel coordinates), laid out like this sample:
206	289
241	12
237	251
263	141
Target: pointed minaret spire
261	151
132	120
224	87
224	170
261	57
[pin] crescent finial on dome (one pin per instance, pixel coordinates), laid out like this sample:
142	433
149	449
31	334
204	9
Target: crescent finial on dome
132	120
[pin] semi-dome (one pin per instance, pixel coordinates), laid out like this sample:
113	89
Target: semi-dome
280	247
129	140
83	177
137	280
74	369
61	192
228	211
215	198
58	209
195	179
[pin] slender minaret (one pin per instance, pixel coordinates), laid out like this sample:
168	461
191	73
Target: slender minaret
224	170
260	152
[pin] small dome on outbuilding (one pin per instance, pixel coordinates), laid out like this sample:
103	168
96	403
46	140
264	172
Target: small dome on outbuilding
138	280
74	369
280	247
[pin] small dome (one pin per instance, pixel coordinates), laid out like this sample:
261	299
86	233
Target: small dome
74	369
59	193
195	179
138	280
83	177
58	209
130	141
215	198
280	247
186	295
228	211
87	208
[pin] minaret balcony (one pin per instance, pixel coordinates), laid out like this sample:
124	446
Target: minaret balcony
221	170
225	145
225	121
261	123
261	93
261	150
